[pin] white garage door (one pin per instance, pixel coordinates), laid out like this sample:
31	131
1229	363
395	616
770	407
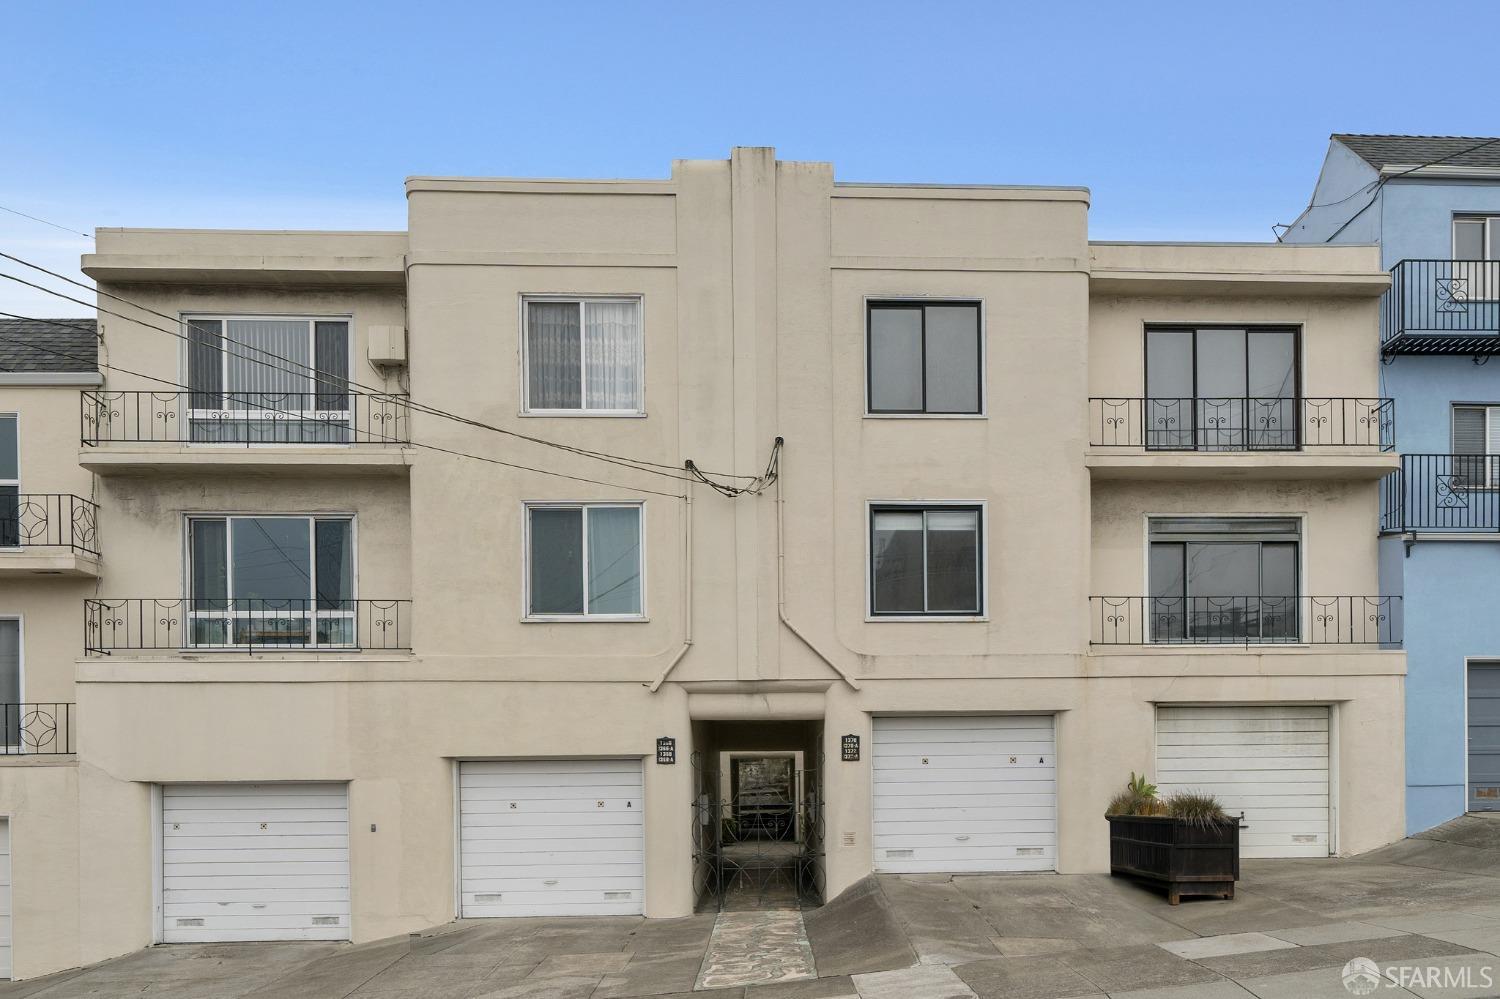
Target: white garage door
255	862
551	838
5	965
1271	763
965	794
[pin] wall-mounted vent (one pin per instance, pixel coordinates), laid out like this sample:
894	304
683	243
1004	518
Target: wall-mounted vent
189	922
1029	851
900	854
617	896
488	896
325	920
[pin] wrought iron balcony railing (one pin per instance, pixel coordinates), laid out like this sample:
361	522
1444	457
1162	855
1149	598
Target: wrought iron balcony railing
1442	492
1442	307
247	418
199	624
49	520
36	729
1242	424
1245	620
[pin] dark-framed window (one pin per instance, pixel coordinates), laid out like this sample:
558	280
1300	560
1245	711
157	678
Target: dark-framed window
924	357
926	560
1223	388
1225	579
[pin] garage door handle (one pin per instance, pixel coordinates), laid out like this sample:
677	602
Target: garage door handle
962	839
550	883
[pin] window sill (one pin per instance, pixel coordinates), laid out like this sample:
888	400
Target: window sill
579	414
586	619
926	618
926	416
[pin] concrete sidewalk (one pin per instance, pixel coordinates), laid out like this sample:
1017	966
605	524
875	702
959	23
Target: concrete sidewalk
1427	908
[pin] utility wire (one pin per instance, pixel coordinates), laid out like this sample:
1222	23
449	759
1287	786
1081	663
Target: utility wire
383	437
1374	188
644	464
45	222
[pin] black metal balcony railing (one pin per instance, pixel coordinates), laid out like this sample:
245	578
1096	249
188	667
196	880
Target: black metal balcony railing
1442	307
49	520
277	418
36	729
1242	424
1442	492
241	624
1245	620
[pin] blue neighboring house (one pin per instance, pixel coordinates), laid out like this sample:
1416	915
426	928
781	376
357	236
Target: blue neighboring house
1433	205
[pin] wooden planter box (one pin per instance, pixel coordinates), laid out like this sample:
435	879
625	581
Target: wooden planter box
1184	858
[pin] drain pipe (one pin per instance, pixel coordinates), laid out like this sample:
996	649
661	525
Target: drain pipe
781	590
687	592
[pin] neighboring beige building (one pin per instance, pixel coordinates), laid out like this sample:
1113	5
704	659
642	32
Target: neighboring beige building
1047	512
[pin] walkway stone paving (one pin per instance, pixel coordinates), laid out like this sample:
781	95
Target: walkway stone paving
1426	910
757	948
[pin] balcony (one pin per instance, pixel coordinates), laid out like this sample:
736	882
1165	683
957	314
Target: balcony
1448	494
1442	307
48	534
245	625
1245	621
322	432
1227	437
37	729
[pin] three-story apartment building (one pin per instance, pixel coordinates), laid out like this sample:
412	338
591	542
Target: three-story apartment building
1432	204
600	547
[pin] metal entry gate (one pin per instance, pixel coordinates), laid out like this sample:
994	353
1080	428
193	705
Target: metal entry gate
757	844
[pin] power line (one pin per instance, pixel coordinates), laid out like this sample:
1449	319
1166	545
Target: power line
45	222
383	437
1374	188
642	463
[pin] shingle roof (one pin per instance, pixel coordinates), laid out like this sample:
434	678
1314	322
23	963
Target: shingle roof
1410	150
67	345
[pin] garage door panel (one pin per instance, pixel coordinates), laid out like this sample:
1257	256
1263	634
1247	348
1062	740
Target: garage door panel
551	837
1267	762
247	862
947	796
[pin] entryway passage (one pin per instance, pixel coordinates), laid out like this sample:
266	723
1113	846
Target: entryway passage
757	815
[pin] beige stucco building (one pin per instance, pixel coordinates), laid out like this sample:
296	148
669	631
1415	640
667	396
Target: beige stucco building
346	666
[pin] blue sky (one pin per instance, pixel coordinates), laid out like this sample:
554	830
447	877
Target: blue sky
1187	120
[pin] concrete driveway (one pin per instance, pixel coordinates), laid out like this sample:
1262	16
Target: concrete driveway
1427	910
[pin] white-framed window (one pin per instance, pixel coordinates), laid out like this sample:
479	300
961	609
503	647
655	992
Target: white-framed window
1476	446
268	379
271	580
582	355
926	559
10	480
584	561
924	358
1476	258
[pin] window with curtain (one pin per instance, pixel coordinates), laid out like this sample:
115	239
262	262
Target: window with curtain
274	580
1224	579
1221	388
268	380
925	560
1476	446
584	560
924	358
583	355
10	481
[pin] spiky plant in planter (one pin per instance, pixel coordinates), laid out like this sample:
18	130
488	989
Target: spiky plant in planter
1185	843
